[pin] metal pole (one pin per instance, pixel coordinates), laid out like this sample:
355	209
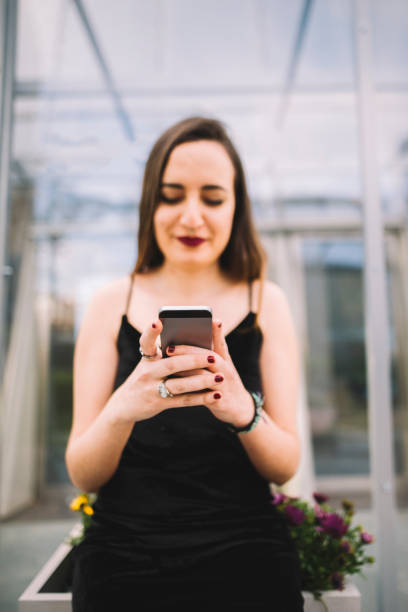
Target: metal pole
8	19
8	27
294	61
123	116
376	321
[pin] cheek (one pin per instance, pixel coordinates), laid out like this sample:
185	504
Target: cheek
225	223
159	222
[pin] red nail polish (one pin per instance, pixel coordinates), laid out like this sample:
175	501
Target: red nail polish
171	348
217	396
219	378
154	325
211	359
219	324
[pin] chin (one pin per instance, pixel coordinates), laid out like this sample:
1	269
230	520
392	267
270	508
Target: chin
196	261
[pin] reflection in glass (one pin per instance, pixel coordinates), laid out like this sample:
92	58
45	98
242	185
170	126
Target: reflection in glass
336	369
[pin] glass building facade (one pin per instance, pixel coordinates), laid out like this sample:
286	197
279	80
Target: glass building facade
315	95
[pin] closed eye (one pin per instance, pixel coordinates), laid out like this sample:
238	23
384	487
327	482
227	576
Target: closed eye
213	202
170	200
178	199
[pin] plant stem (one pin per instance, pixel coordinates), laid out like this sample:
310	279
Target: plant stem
324	605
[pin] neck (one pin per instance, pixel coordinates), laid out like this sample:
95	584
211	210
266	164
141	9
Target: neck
190	285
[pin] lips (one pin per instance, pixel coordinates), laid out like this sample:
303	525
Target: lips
191	241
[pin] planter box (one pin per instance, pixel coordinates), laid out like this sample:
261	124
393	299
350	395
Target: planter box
50	591
348	600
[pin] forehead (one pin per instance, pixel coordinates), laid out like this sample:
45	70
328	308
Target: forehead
200	161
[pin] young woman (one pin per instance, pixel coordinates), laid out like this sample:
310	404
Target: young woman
183	519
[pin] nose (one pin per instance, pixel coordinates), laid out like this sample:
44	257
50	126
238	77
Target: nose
191	216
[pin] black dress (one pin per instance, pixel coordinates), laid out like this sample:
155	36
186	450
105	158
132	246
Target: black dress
186	522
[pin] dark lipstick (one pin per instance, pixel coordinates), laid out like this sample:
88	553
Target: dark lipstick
191	241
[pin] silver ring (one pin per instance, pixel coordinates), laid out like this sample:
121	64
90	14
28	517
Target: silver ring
147	356
163	390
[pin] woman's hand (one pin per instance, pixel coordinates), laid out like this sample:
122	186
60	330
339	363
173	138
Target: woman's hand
226	397
212	381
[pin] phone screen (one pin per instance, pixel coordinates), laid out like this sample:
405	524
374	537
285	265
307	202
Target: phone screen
190	325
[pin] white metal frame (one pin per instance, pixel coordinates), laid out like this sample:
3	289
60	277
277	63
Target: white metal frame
376	320
8	18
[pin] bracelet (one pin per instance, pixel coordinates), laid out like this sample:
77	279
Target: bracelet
259	401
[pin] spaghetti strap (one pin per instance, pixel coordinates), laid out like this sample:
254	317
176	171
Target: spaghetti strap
129	295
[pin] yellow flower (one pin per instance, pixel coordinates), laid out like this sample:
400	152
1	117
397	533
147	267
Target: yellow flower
88	510
348	506
77	502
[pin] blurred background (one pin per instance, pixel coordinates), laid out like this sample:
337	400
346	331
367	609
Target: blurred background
87	86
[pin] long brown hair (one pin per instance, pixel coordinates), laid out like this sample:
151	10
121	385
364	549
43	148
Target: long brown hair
243	258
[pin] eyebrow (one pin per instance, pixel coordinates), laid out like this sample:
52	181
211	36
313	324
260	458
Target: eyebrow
205	187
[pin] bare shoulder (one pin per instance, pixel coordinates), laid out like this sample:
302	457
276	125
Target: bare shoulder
280	351
275	310
112	292
107	305
96	355
272	291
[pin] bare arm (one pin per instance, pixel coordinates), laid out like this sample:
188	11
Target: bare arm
97	439
273	445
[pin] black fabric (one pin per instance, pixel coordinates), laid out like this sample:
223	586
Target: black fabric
186	519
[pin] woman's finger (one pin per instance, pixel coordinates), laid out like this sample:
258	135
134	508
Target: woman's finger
188	384
219	343
186	399
191	361
190	373
186	349
199	398
148	340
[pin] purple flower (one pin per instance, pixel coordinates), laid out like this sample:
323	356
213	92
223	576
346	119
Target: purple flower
366	538
333	524
345	546
319	513
278	498
337	581
296	516
320	498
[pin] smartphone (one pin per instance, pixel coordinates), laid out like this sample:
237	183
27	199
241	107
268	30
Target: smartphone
190	325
